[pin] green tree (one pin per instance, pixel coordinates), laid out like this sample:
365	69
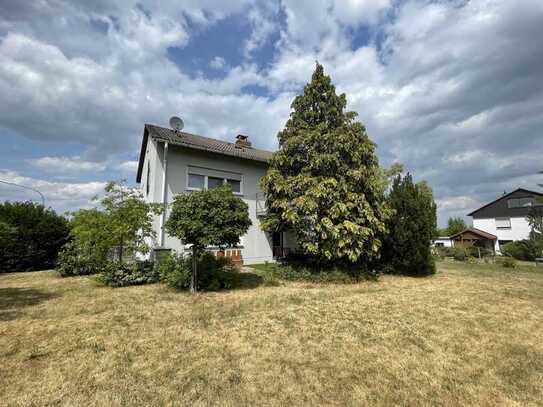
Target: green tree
31	236
455	225
535	220
213	217
91	234
406	248
129	218
325	183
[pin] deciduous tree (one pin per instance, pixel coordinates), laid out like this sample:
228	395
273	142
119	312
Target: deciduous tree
129	218
214	217
455	225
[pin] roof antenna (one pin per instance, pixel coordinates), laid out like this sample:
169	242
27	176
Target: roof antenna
176	124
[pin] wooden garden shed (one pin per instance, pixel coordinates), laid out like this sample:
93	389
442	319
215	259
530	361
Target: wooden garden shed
474	237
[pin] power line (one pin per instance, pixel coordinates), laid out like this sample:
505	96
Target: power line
24	186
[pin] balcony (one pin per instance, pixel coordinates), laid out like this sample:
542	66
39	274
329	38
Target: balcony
261	208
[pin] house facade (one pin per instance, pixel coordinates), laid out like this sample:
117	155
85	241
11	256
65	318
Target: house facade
173	162
506	217
442	241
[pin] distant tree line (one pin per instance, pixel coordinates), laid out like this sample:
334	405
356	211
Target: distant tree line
30	236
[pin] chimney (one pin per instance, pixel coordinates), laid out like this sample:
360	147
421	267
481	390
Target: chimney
242	141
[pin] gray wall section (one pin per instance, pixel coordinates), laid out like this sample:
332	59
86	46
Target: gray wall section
256	244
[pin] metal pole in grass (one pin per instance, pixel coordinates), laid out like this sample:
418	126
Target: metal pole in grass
25	187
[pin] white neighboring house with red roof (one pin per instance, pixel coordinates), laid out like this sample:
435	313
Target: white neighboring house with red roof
506	217
173	162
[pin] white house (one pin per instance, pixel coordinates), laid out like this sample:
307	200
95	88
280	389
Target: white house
505	217
442	241
177	162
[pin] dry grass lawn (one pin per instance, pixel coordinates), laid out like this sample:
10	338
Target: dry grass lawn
471	335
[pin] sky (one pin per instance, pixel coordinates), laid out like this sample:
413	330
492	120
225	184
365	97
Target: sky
453	90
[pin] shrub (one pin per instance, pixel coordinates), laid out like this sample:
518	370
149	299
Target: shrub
475	251
214	273
527	250
72	263
296	272
445	251
175	272
31	236
406	246
471	260
121	274
459	254
508	262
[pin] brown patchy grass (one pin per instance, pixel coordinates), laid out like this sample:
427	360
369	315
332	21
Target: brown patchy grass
471	335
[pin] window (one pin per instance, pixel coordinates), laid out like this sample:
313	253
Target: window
520	202
213	182
440	244
503	223
235	185
196	181
200	178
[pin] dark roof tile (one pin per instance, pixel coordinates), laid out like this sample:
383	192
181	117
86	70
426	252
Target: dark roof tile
208	144
197	142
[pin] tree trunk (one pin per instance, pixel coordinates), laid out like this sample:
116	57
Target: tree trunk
194	277
121	251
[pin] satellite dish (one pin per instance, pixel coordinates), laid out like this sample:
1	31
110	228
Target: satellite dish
176	123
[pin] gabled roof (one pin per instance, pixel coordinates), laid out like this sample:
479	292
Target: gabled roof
476	231
505	196
197	142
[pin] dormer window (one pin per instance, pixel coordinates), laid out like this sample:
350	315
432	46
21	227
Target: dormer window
520	202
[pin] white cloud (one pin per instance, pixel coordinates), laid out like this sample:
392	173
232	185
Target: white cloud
357	12
128	167
66	165
218	63
61	196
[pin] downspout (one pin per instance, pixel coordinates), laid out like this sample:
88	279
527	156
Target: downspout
164	195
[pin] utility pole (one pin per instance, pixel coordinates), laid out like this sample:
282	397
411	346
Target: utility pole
25	187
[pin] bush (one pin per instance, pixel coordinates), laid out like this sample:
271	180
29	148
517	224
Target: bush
31	236
444	251
72	263
175	272
406	247
508	262
214	273
459	254
120	274
527	250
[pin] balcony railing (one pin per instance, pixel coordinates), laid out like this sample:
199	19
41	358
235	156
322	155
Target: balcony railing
261	208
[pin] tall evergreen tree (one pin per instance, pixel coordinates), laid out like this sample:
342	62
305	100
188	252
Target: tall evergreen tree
324	184
406	248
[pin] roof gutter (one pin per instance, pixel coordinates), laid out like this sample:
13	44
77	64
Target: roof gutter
164	195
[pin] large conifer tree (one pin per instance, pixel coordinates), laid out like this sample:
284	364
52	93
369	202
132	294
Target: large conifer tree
324	184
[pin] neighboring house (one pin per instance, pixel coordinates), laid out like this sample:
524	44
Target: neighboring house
442	241
505	217
177	162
